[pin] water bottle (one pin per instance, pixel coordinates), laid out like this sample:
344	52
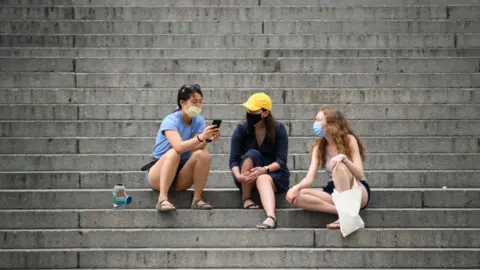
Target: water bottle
120	198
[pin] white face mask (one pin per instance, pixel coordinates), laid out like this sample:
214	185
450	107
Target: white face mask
193	111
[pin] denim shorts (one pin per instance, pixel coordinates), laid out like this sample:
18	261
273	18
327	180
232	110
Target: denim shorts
280	178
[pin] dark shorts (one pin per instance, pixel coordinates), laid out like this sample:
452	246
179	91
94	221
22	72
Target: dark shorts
280	178
331	186
174	182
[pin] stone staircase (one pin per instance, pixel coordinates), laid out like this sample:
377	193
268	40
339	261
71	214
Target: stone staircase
84	85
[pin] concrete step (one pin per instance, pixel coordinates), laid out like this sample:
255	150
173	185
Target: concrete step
231	95
93	128
19	52
266	80
223	179
241	27
236	112
240	13
144	145
251	3
242	80
190	3
231	218
40	79
258	268
37	64
230	198
239	238
321	41
245	257
165	3
273	13
288	65
129	162
343	2
367	26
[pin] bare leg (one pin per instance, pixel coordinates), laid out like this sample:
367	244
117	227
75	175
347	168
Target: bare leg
267	189
315	200
195	172
247	187
343	180
161	175
342	177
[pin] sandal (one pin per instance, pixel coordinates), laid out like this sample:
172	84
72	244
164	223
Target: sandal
334	225
250	206
268	226
204	206
165	206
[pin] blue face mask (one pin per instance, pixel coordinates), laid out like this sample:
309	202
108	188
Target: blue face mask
318	131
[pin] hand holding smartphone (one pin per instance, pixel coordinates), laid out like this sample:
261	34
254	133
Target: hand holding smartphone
216	123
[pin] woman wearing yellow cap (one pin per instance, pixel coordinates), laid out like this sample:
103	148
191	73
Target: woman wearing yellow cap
258	157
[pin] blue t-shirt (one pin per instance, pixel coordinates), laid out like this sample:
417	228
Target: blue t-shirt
174	121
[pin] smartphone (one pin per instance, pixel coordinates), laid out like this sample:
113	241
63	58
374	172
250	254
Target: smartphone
217	123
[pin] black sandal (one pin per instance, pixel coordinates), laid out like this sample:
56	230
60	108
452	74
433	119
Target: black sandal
267	226
250	206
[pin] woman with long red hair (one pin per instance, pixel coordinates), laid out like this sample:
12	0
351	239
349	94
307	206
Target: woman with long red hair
340	151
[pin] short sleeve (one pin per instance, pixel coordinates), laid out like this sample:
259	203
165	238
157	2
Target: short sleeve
169	123
200	125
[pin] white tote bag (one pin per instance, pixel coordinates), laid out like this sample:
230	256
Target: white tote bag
348	205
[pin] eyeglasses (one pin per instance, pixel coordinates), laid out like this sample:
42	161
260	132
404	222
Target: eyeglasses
192	87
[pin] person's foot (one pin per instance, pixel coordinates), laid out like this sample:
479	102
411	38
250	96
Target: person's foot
165	206
269	223
201	204
249	204
334	225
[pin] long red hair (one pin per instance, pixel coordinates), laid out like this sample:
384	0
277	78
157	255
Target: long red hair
339	128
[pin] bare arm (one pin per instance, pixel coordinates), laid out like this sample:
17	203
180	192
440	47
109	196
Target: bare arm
312	171
202	145
181	146
355	165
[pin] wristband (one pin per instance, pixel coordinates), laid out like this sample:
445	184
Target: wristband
198	138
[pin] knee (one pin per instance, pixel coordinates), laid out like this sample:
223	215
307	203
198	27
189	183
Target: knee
173	155
294	201
252	153
254	156
264	181
300	195
202	155
302	192
341	169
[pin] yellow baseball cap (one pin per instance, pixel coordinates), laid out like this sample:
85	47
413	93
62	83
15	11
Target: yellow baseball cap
258	101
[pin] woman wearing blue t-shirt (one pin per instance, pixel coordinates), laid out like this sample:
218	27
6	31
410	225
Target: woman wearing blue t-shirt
180	157
258	157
